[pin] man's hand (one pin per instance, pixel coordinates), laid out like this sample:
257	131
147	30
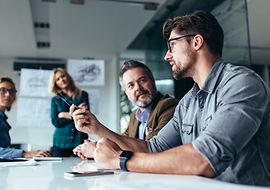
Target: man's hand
83	106
85	150
107	153
37	153
84	120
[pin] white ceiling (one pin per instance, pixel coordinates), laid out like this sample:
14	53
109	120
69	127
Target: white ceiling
98	29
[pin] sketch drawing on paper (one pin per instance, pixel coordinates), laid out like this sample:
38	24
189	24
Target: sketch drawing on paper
88	73
37	81
34	82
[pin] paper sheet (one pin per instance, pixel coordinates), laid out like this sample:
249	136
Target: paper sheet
47	158
31	162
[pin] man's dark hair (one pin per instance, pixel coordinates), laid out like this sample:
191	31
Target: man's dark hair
198	22
131	64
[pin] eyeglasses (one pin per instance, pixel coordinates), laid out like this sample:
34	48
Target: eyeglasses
11	91
170	44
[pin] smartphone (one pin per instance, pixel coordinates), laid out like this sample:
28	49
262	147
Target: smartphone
90	173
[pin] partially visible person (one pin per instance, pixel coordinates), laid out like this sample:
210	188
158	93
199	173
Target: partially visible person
220	128
7	98
154	109
65	137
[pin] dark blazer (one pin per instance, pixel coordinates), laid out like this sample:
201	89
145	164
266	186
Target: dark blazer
162	111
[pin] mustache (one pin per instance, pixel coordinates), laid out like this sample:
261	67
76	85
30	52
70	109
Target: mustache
148	97
142	92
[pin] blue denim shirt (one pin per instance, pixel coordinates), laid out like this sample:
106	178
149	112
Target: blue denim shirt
5	151
227	122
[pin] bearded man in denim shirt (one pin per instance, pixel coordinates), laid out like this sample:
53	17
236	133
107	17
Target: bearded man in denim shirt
220	128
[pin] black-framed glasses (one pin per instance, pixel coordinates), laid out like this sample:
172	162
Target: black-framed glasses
11	91
177	38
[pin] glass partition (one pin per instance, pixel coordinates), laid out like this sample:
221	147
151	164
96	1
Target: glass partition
231	14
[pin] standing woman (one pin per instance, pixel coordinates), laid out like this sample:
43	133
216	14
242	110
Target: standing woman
66	137
7	98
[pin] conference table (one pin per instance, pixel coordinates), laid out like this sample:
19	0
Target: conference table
49	175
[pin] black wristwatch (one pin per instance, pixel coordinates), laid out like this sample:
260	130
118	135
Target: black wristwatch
124	157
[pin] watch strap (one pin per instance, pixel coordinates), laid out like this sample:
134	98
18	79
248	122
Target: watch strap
123	164
124	157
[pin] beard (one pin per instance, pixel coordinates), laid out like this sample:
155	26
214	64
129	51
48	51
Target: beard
184	71
147	99
180	73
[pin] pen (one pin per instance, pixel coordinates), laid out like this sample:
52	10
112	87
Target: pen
66	101
63	98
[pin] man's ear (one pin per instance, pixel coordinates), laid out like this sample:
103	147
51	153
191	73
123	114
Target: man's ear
198	42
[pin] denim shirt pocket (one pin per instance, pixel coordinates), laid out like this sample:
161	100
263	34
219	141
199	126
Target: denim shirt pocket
187	129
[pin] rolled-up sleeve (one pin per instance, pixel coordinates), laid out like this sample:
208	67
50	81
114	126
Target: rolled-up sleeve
168	136
10	153
241	106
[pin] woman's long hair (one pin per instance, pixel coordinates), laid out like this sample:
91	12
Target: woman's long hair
54	89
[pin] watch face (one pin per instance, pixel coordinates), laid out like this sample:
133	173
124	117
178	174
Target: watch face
126	154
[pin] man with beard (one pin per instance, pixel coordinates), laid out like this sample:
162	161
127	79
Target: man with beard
154	109
220	128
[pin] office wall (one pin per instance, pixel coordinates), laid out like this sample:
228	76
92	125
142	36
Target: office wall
41	138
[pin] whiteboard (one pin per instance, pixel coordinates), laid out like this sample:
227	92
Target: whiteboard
34	82
33	112
33	105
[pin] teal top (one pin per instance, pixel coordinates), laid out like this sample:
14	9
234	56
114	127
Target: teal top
65	134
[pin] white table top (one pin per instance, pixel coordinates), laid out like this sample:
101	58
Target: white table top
50	175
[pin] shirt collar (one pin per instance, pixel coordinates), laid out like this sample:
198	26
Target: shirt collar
212	78
142	114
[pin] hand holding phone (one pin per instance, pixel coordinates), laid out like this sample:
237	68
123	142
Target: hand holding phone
88	173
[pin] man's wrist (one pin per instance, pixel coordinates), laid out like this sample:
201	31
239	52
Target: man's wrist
124	157
24	154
